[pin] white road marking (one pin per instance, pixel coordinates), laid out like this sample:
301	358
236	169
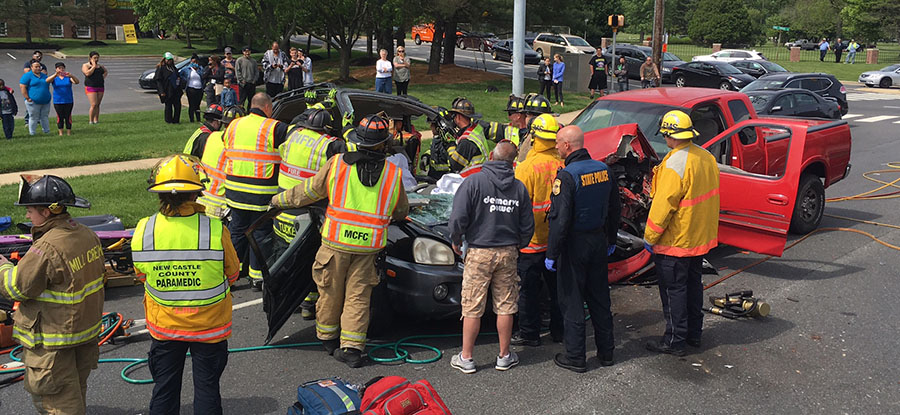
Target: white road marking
878	118
871	96
142	322
849	116
11	56
891	106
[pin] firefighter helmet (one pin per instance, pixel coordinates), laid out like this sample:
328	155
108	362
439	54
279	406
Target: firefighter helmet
678	125
179	173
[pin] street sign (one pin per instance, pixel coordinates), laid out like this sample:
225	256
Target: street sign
130	34
782	28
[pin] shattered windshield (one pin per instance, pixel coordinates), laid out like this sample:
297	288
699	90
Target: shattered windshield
428	209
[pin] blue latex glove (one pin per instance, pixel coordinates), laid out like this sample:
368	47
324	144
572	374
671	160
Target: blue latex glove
550	264
610	250
648	247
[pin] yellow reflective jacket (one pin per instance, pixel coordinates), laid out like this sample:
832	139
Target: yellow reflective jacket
537	172
59	286
684	215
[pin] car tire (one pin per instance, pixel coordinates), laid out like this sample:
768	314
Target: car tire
540	53
461	45
494	55
726	86
418	40
884	83
680	81
809	206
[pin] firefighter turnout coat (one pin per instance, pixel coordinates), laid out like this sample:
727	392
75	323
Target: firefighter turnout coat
537	172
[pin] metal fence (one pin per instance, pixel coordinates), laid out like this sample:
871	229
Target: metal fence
887	53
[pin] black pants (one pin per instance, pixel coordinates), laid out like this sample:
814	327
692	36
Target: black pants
402	87
273	88
837	56
246	92
532	274
547	85
63	115
172	111
240	221
582	278
194	96
822	54
166	364
681	292
559	93
9	123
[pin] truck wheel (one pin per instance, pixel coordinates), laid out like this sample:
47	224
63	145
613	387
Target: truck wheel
885	82
418	40
679	81
809	206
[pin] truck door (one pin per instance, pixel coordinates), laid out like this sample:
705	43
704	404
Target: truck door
755	209
749	154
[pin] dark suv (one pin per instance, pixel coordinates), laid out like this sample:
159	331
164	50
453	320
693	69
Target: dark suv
635	56
823	84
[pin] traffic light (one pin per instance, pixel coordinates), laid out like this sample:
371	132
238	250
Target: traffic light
616	20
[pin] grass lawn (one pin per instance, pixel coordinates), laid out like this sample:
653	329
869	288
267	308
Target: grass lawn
149	46
843	72
123	195
118	137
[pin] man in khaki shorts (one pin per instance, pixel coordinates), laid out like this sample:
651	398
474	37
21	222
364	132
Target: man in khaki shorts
492	213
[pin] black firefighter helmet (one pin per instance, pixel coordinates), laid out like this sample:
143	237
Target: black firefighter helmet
50	191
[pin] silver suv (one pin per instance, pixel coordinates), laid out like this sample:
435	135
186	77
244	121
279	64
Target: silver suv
545	44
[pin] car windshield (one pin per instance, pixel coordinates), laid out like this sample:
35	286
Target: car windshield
763	84
891	68
670	57
728	69
602	114
758	101
772	66
428	209
576	41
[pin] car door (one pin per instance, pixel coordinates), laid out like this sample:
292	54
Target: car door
806	105
895	77
783	105
755	209
708	75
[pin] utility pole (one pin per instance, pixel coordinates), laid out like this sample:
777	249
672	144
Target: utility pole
518	58
658	18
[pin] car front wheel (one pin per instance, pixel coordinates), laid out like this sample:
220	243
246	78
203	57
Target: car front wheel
418	40
679	81
885	83
540	53
809	206
725	85
494	55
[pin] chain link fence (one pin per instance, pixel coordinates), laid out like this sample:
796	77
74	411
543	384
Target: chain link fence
887	53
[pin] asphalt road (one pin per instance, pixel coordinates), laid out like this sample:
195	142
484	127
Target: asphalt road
828	347
122	91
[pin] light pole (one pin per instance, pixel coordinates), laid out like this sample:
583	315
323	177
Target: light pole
586	20
518	58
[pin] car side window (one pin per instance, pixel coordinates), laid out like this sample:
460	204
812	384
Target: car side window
757	66
793	84
811	84
741	55
786	102
805	99
541	38
738	110
723	55
707	67
739	64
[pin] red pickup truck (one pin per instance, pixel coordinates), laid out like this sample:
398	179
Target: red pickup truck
773	171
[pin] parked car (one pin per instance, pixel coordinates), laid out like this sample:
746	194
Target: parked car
146	81
803	44
793	102
635	56
730	55
884	77
773	171
474	40
503	51
544	43
757	68
823	84
710	75
425	33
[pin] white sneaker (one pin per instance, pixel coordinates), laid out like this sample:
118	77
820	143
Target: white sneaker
507	362
465	366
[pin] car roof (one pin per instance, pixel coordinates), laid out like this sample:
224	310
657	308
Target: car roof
678	97
793	75
779	91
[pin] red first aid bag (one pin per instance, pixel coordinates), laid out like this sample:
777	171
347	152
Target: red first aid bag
396	395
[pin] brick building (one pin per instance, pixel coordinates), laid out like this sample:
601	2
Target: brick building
61	23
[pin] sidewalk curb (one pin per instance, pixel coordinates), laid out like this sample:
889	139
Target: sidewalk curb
86	170
60	55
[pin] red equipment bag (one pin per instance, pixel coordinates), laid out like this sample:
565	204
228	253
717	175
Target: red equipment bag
396	395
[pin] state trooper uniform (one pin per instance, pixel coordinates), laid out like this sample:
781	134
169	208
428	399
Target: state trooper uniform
584	217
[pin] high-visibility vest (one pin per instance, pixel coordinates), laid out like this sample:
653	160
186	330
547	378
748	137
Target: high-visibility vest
512	134
213	163
251	159
358	216
476	134
190	142
303	154
183	260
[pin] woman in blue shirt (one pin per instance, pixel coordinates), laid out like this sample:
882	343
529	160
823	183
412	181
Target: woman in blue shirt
63	101
559	68
36	92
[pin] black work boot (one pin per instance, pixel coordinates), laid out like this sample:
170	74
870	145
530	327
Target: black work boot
331	345
518	340
660	347
256	284
350	356
562	361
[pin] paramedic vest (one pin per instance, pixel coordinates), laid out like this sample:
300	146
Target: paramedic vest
591	200
184	263
251	163
358	216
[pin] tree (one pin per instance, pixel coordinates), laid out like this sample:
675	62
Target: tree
27	13
816	18
721	21
342	22
89	13
871	20
638	16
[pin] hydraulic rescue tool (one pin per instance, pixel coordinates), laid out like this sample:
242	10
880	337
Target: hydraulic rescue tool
738	304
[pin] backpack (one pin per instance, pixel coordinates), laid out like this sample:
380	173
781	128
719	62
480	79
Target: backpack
395	395
332	396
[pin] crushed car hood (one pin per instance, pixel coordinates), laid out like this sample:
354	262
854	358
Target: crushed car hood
611	144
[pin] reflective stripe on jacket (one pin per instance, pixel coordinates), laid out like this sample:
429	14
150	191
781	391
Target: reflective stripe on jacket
251	162
475	134
59	286
187	294
302	155
537	172
213	163
358	216
511	134
684	215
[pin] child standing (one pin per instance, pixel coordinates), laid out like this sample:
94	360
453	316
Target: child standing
8	109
